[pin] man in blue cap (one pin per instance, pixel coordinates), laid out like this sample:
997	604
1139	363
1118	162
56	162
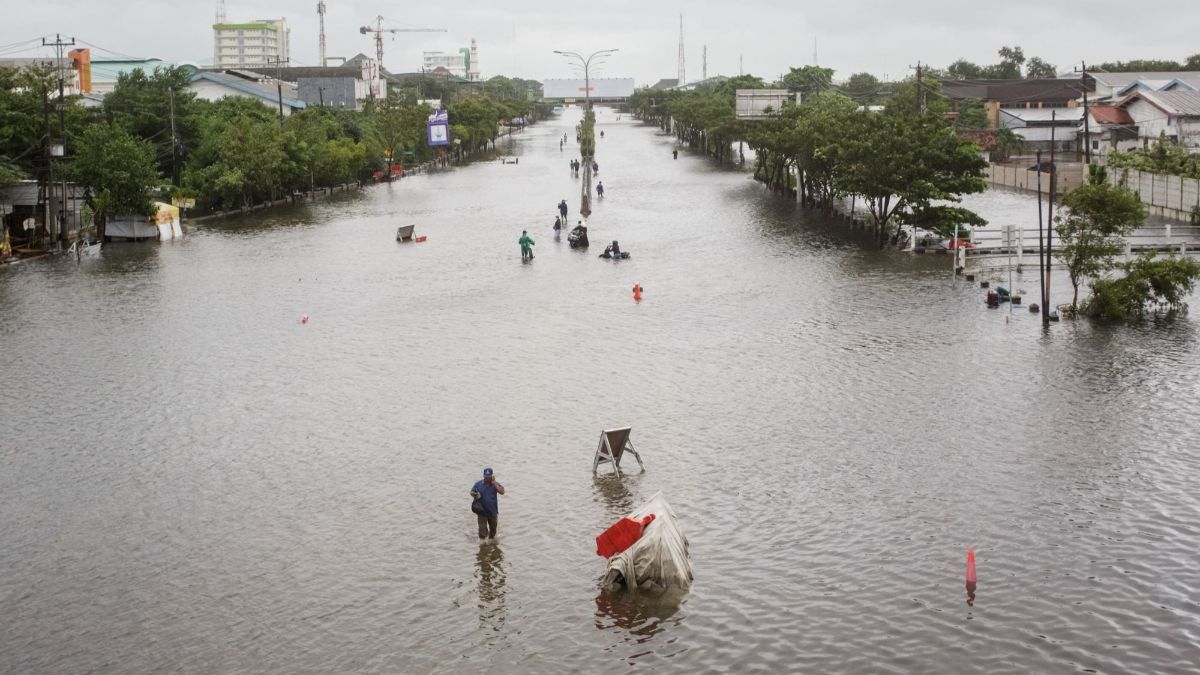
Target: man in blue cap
487	490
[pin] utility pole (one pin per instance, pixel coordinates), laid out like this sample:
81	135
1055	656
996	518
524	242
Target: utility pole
1050	212
704	62
1087	131
174	140
682	70
1041	249
278	63
920	91
58	45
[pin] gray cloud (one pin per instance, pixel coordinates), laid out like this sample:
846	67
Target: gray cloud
852	35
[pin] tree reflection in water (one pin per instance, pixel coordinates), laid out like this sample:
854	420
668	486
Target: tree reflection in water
491	573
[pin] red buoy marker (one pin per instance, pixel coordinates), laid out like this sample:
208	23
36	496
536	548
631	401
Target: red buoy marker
637	292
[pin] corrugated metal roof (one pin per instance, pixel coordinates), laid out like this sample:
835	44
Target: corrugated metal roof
1184	103
1014	91
260	89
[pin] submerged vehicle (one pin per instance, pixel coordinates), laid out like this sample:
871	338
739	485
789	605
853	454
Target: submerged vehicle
578	238
613	251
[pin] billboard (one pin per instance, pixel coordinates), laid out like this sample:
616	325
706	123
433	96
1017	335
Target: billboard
752	104
602	87
439	128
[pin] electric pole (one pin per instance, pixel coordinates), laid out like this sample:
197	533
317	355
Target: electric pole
174	140
920	91
1087	130
278	63
58	45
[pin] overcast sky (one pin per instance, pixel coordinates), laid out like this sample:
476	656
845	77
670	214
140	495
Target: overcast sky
883	37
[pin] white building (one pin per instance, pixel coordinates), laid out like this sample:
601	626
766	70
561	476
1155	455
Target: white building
1175	114
214	86
257	44
463	63
455	62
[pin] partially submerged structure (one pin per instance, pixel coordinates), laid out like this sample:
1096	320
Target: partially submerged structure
658	560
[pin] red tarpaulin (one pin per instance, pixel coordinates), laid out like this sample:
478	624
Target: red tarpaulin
623	534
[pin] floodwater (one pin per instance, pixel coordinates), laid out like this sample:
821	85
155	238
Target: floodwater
192	480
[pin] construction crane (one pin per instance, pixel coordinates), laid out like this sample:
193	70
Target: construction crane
379	30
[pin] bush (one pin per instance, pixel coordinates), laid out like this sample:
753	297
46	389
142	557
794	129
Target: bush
1149	284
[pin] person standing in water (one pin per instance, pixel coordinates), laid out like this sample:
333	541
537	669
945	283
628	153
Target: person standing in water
526	246
600	189
562	210
488	491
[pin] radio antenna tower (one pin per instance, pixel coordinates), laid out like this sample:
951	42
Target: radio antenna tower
704	62
682	70
220	11
321	14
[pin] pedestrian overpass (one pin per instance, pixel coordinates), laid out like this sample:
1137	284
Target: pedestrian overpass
602	89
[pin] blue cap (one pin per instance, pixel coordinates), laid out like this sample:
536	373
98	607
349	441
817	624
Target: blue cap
487	472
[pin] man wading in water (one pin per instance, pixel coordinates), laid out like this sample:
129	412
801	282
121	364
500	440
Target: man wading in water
486	492
526	246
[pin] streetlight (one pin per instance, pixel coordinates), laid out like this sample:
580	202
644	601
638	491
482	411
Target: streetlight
586	62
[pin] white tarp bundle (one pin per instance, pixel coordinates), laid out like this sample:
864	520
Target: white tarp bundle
657	561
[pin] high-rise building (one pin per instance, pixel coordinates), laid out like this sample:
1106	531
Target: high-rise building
254	45
464	63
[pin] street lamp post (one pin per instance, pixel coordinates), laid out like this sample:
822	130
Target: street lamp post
585	195
586	62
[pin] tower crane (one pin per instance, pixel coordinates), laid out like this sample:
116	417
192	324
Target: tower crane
379	30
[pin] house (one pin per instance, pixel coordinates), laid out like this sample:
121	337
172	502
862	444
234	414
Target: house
216	85
665	83
1043	128
1108	87
998	95
1174	114
1109	128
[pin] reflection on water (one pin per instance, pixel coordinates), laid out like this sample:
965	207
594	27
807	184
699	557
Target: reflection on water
642	615
195	481
491	572
616	494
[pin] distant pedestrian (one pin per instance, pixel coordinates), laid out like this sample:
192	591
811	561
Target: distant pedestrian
487	491
562	210
600	189
595	167
526	246
674	154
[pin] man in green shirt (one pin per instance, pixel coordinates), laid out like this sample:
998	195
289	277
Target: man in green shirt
526	246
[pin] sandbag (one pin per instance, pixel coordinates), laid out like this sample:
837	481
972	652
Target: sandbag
658	560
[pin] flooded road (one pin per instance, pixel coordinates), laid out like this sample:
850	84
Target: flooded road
191	480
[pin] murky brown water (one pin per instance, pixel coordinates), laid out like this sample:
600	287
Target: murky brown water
190	480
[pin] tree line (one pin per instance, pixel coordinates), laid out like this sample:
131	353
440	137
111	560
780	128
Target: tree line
152	138
905	164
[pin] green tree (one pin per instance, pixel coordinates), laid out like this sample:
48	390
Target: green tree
1009	68
808	80
1098	216
1138	66
117	168
142	104
971	114
864	88
964	70
910	166
1037	68
1148	283
1192	63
